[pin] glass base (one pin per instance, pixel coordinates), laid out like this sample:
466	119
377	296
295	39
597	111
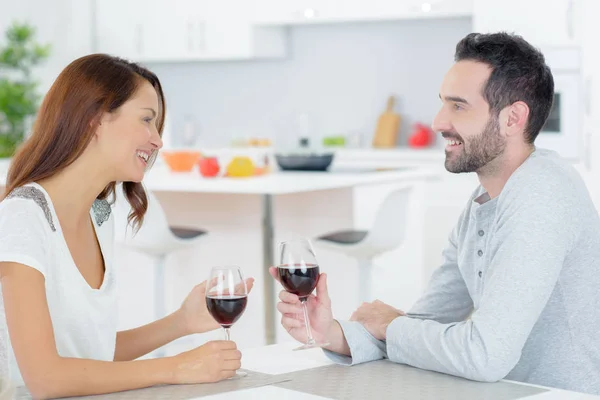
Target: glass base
239	375
311	346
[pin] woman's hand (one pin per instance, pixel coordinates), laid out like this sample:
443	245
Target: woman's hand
194	315
211	362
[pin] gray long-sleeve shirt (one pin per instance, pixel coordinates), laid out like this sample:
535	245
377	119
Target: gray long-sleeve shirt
518	294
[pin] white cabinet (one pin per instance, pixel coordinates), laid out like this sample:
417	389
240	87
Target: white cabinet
119	27
175	29
182	30
541	22
145	29
296	12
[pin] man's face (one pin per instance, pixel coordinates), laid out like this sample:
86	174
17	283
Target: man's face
464	120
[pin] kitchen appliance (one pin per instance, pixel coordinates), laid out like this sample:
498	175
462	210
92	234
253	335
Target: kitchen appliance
562	131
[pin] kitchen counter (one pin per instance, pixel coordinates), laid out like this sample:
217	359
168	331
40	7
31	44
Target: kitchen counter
252	215
281	182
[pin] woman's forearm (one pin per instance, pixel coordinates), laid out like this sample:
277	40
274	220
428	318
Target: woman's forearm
81	377
135	343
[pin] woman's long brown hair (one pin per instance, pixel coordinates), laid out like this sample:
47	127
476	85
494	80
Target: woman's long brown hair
69	116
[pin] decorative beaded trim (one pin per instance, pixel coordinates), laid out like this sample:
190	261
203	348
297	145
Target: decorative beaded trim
101	211
101	207
35	194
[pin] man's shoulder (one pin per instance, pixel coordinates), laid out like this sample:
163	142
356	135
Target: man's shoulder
545	176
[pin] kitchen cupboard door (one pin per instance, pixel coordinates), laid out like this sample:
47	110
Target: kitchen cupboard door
375	10
298	12
541	22
176	30
120	28
157	31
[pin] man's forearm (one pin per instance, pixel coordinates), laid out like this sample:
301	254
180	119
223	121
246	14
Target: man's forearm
337	340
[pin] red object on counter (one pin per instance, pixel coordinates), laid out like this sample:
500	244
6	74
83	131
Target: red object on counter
422	136
209	166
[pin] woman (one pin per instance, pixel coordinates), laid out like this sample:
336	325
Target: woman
99	124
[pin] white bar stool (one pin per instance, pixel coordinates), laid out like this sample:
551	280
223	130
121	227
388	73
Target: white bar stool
155	238
386	234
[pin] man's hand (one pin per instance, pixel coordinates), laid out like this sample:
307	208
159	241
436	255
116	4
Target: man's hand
376	317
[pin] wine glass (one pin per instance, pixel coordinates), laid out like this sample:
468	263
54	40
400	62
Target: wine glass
298	272
226	298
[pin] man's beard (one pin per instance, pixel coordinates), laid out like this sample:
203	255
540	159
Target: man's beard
478	151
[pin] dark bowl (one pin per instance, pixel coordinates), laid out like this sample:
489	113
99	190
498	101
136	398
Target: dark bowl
304	162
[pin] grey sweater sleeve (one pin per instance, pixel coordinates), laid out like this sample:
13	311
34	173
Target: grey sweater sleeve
537	226
445	300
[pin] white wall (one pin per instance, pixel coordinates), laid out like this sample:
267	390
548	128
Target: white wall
340	74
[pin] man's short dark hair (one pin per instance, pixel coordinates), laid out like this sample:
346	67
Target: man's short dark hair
519	73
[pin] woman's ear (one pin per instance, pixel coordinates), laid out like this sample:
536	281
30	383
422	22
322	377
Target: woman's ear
98	124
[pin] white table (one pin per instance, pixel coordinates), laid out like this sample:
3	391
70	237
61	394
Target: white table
274	372
281	360
159	179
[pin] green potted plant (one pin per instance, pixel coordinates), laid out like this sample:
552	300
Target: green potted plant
19	99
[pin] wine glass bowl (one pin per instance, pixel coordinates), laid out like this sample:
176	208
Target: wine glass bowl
298	272
299	279
226	298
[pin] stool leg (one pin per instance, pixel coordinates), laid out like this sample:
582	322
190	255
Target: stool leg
364	280
159	295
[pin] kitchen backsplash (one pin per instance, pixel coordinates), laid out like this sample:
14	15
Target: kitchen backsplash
335	81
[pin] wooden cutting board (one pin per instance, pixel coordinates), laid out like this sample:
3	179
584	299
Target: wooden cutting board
388	126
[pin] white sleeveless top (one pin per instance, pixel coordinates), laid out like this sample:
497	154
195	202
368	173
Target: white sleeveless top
84	319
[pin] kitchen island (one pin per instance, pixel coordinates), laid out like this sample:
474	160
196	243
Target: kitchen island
246	217
318	201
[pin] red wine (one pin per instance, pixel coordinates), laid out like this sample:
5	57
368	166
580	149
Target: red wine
226	310
299	279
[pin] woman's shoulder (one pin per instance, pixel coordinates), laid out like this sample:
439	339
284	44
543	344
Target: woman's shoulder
26	207
26	224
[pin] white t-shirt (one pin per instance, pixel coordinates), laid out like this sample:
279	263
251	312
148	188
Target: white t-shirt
84	319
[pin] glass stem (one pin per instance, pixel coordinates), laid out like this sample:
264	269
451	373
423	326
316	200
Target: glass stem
227	334
307	322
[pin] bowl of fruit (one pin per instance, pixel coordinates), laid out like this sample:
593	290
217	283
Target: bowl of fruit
181	160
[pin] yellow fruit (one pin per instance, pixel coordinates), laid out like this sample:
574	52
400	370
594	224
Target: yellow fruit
240	167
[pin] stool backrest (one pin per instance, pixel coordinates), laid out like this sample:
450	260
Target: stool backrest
389	228
154	229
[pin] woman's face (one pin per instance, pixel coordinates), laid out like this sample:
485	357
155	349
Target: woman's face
128	136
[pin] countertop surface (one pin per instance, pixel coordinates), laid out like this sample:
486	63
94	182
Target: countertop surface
279	182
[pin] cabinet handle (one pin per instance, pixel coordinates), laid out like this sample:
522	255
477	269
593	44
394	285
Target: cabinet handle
190	36
587	96
569	17
139	39
201	37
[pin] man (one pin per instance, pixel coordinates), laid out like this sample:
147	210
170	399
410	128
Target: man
518	294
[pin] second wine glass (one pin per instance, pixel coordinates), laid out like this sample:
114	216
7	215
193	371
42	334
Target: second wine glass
298	272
